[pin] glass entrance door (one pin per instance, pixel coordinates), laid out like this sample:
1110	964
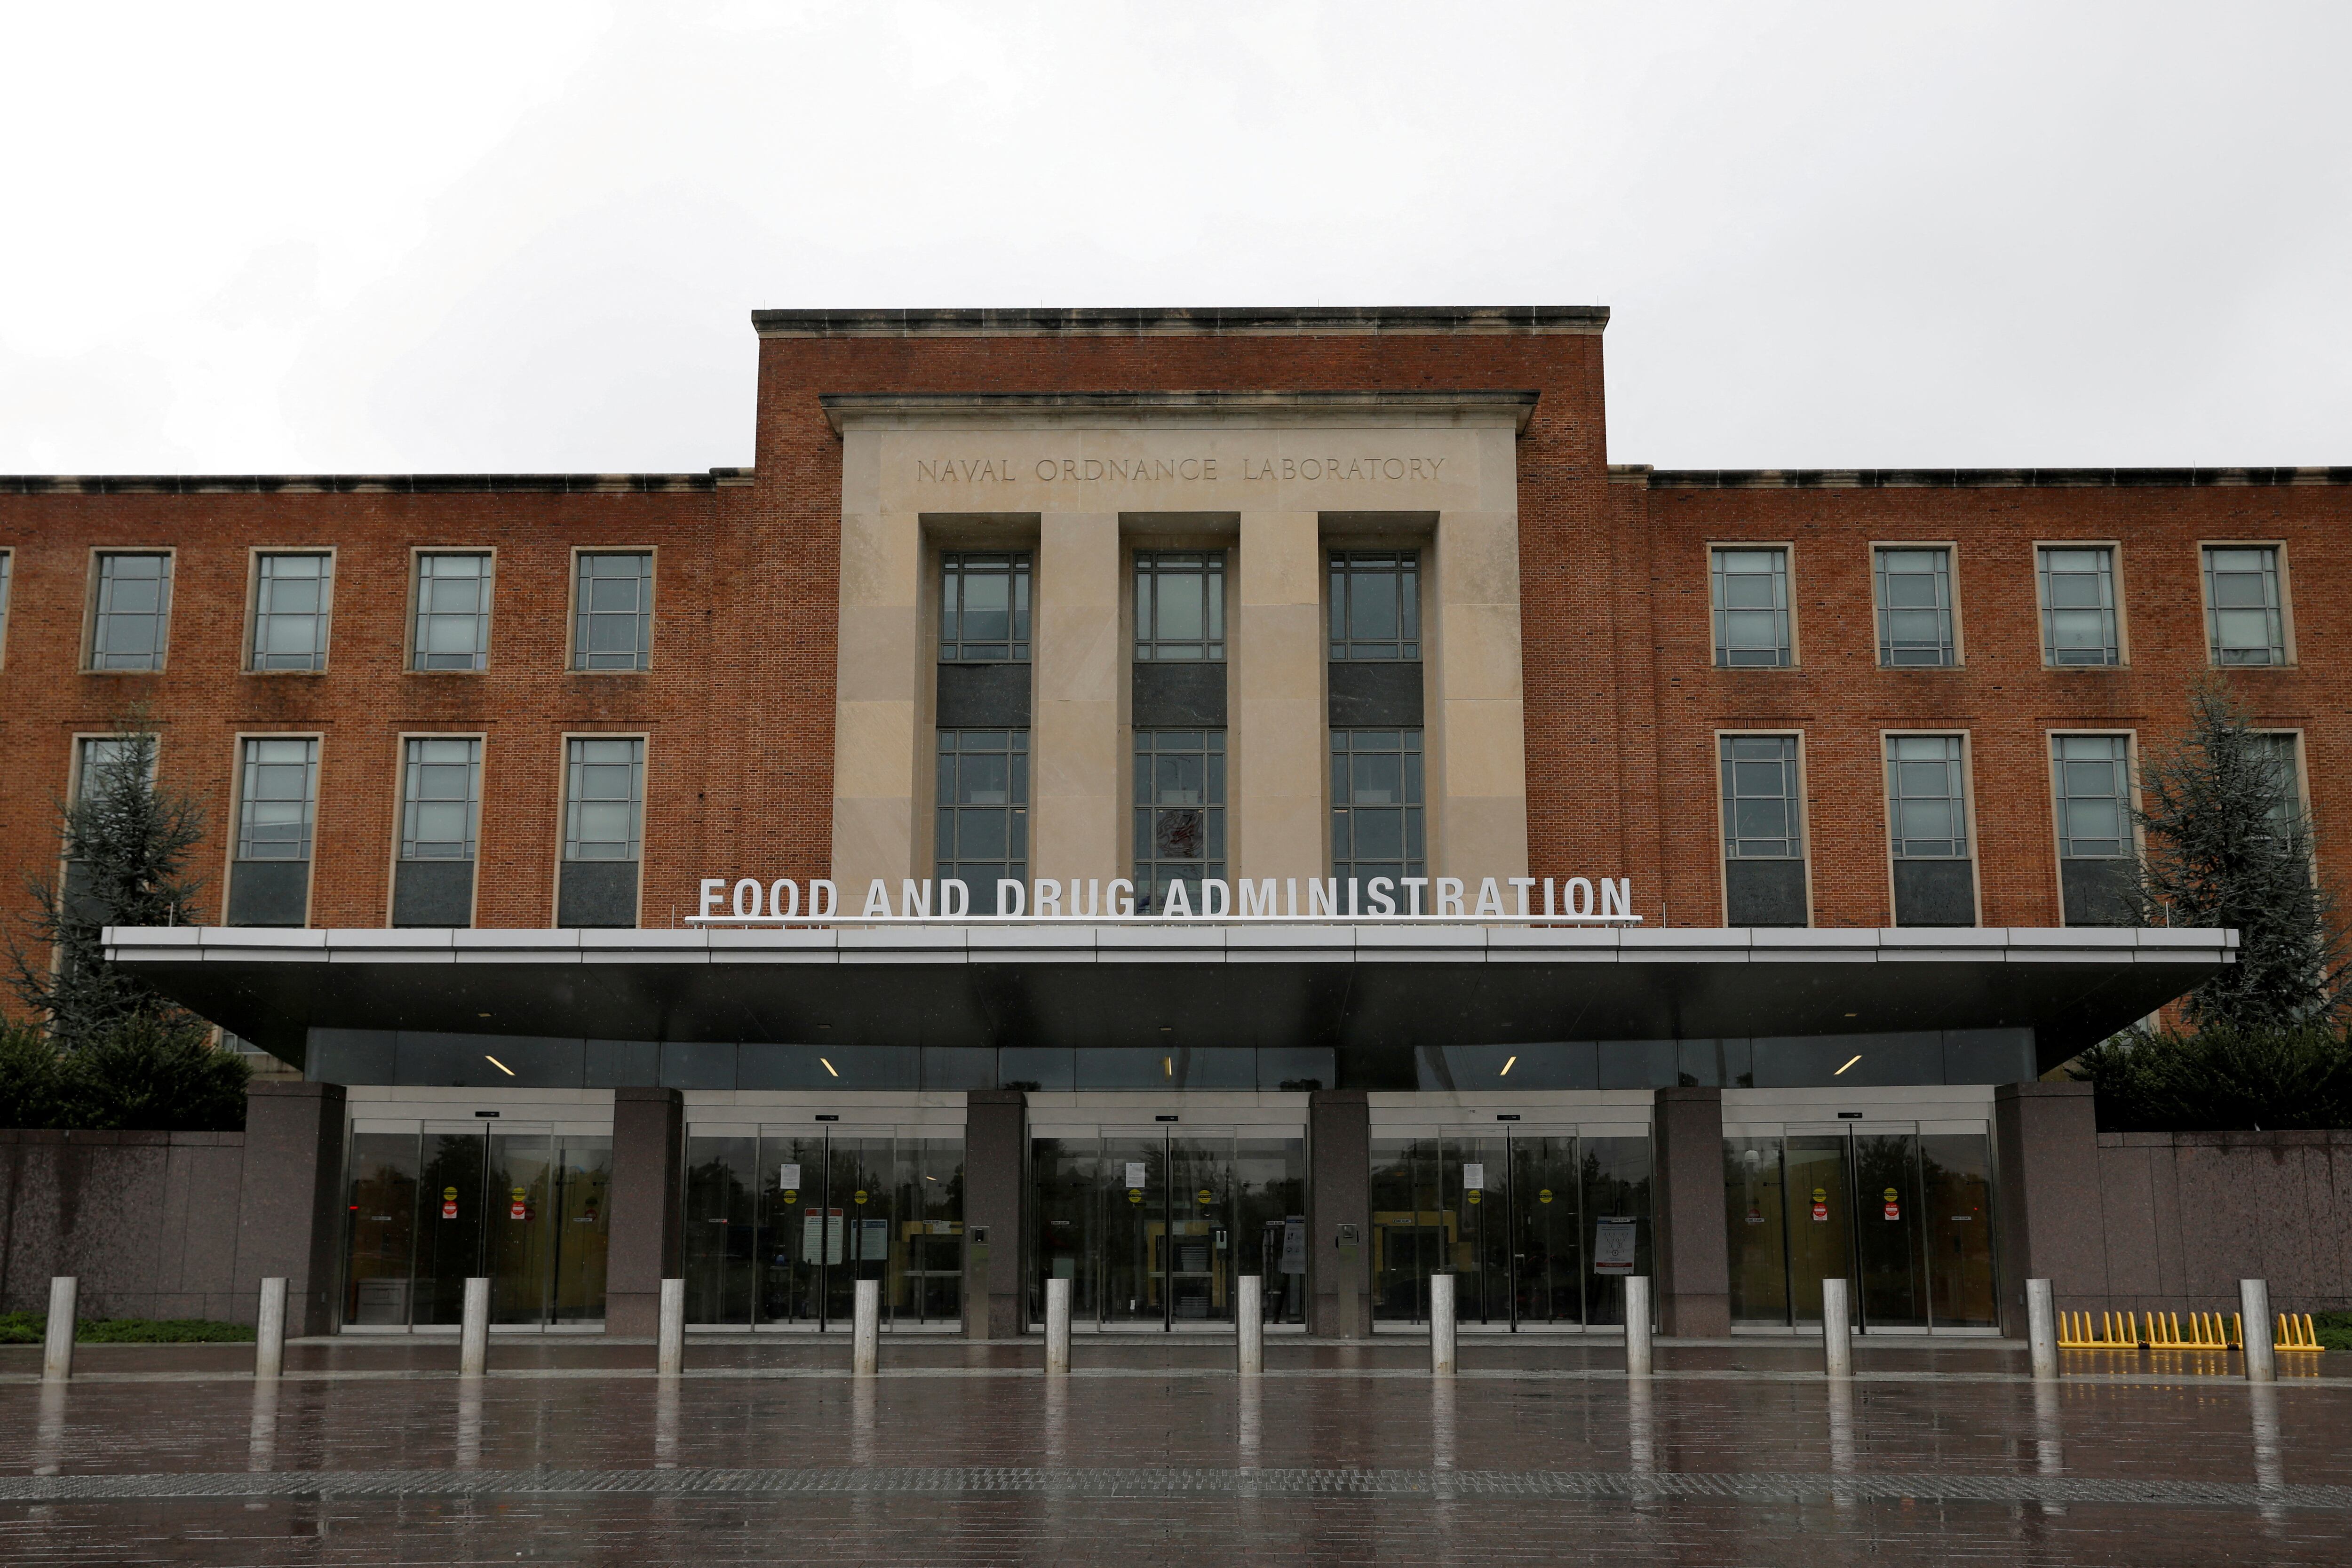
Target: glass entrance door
435	1204
1902	1211
1151	1227
1540	1227
783	1222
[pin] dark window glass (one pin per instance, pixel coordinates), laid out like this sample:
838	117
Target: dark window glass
277	797
441	798
605	800
1927	798
1179	604
613	611
2078	605
1751	609
983	606
1915	609
289	611
1762	815
453	612
2244	612
1375	604
982	832
134	601
1377	802
1180	813
2093	790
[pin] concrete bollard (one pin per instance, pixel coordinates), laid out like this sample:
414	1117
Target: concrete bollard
474	1334
2042	1328
57	1354
1637	1325
1441	1360
1057	1327
1249	1325
669	1343
1837	1330
269	1332
866	1336
2254	1326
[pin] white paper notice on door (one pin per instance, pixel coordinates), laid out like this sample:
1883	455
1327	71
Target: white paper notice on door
1613	1247
820	1235
1474	1177
1294	1246
1135	1182
791	1179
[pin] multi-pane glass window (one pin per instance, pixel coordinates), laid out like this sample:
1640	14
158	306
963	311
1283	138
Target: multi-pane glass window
605	799
2279	748
2245	619
983	606
452	611
1377	802
1927	798
441	799
134	601
983	811
1179	604
7	566
1375	604
1179	814
2078	605
278	799
1762	819
612	621
98	754
1751	609
1915	609
289	611
2094	788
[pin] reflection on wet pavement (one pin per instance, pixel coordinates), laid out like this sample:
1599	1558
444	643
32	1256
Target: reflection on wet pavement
1154	1451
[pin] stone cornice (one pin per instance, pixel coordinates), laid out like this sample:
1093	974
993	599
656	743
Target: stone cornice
1163	321
1494	408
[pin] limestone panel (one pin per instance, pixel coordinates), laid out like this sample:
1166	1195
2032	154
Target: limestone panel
1279	748
1074	739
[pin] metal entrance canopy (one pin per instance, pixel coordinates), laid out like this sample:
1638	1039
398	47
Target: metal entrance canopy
1359	988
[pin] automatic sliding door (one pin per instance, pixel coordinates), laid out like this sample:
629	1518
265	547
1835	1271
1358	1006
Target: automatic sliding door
578	1220
1890	1244
1546	1260
1411	1226
1956	1181
1201	1228
1270	1222
716	1249
380	1236
1820	1210
1135	1221
1752	1192
449	1238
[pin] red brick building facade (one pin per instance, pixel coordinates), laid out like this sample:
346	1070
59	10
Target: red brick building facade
1624	696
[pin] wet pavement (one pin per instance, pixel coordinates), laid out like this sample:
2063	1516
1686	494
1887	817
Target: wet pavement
1152	1450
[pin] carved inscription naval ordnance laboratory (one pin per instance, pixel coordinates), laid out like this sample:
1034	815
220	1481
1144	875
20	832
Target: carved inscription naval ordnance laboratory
1165	469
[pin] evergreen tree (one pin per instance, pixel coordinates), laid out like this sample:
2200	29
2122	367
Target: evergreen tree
2229	844
127	844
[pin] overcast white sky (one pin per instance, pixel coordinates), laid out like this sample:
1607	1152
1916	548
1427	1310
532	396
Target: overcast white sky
311	237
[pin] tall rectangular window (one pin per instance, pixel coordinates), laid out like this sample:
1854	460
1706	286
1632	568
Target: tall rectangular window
982	829
2097	857
2245	612
441	798
1179	814
983	606
132	609
7	575
1751	609
1179	604
613	620
1927	829
2078	605
1763	831
1915	609
440	814
1377	806
452	611
603	830
278	801
2281	749
290	596
277	810
604	813
1375	604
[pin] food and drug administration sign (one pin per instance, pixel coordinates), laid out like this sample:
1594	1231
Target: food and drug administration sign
752	900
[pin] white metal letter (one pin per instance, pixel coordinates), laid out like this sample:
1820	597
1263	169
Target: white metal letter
1523	884
1413	887
784	900
825	908
751	885
1178	902
1011	897
1616	898
1049	898
1579	903
1216	898
915	898
1378	888
1323	896
1490	897
711	888
955	899
1449	896
1122	897
877	900
1258	897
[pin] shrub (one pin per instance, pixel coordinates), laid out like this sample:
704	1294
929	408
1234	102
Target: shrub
2222	1079
29	1077
32	1329
153	1075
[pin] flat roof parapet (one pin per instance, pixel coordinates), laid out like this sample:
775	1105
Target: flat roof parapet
362	484
1974	479
1288	320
